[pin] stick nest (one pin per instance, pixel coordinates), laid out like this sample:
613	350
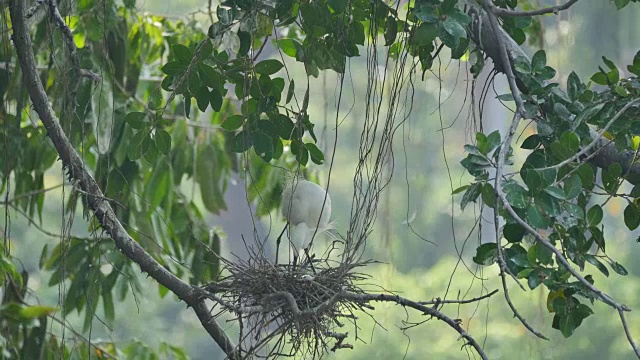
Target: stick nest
296	309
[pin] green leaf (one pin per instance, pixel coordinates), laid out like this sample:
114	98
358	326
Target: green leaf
532	179
588	113
567	325
513	232
316	154
182	53
390	30
539	60
595	262
505	97
556	192
137	120
208	177
491	143
139	145
574	210
594	215
460	16
290	91
574	86
426	34
241	142
202	97
546	73
209	75
233	123
534	279
587	175
263	145
531	142
621	3
426	14
489	195
486	254
516	195
245	43
600	78
215	98
163	141
278	148
338	6
609	63
36	311
268	67
621	91
573	186
568	138
291	47
155	99
159	185
454	28
619	269
548	204
174	68
543	254
561	151
460	189
107	305
598	237
632	216
471	194
522	67
225	16
471	149
536	218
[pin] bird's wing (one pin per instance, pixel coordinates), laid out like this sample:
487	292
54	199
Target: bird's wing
300	235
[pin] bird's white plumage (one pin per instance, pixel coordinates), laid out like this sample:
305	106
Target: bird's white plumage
302	206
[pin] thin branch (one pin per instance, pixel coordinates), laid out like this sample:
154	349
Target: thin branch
273	300
438	301
502	155
547	10
455	324
95	198
628	333
33	222
595	141
560	257
29	194
504	269
67	35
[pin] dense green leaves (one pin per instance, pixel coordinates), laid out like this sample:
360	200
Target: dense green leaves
486	254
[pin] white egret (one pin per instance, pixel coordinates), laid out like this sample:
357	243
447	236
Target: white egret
306	211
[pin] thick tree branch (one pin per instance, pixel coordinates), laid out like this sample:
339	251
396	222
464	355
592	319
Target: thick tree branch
483	35
547	10
95	198
597	140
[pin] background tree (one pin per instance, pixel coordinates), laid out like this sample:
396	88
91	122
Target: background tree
121	97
